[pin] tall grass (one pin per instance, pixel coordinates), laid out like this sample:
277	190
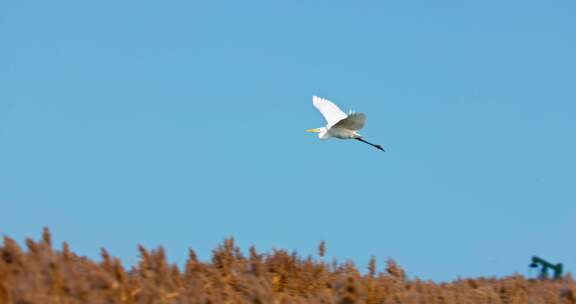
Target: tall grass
42	274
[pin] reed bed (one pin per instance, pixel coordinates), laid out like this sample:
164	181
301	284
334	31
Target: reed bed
40	273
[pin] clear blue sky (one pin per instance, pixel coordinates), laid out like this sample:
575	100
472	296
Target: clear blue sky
179	123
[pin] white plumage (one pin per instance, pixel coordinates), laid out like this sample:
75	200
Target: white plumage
338	124
329	110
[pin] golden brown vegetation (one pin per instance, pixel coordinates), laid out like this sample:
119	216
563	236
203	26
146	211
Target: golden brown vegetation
42	274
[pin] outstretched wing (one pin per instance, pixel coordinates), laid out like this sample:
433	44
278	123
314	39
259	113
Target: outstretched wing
329	110
354	121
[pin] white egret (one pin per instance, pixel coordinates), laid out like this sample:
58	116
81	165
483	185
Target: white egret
338	124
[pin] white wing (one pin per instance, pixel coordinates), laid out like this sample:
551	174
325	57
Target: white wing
329	110
354	121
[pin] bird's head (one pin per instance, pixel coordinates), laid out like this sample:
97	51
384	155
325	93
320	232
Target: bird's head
321	131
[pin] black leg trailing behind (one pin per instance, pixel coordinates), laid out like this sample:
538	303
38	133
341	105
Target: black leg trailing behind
379	147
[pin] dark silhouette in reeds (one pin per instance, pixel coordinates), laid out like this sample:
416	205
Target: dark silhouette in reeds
42	274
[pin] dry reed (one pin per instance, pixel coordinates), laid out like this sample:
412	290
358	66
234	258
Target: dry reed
42	274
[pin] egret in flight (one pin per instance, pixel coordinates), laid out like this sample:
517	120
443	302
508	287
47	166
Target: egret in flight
338	124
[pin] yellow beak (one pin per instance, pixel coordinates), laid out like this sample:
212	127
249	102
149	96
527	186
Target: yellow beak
313	130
